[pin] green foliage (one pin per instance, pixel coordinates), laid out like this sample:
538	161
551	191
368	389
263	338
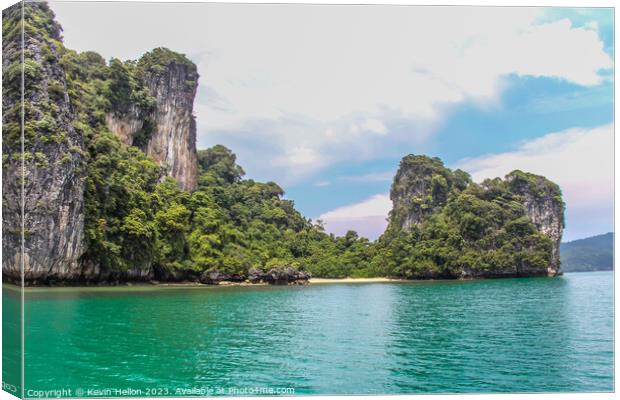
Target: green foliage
119	213
137	219
141	138
39	20
424	185
125	91
154	63
218	166
474	230
126	223
231	224
240	224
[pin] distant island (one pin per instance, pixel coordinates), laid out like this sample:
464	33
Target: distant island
594	253
116	191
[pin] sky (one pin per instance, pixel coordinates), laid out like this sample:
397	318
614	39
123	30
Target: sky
325	100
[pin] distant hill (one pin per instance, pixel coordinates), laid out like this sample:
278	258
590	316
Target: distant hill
595	253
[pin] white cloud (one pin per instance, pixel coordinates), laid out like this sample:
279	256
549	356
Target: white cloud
368	218
581	161
377	205
372	177
322	183
295	163
371	125
300	156
300	76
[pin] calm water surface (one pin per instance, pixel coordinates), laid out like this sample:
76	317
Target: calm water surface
523	335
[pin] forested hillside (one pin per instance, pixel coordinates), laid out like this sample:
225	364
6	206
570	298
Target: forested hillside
595	253
117	191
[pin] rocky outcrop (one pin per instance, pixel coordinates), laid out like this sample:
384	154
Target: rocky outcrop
11	143
173	140
420	188
170	127
442	224
498	228
217	277
255	275
279	276
274	276
52	156
285	276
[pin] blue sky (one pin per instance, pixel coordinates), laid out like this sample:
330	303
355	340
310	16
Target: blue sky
326	100
530	108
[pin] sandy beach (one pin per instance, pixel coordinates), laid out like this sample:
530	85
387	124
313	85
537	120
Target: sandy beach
353	280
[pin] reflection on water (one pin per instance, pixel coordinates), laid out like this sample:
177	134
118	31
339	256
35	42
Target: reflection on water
11	339
529	335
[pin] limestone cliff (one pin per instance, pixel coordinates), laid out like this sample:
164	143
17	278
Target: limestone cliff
167	130
421	187
125	125
457	228
75	199
52	155
543	205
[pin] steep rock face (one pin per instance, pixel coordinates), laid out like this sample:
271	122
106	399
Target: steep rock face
172	80
11	142
125	126
420	188
543	204
53	161
173	141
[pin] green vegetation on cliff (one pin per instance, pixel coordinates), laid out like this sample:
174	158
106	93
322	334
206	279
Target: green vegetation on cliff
138	223
135	221
157	60
445	226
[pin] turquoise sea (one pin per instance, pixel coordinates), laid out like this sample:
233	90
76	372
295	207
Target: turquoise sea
504	335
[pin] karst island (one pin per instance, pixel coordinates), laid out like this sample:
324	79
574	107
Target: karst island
204	199
115	190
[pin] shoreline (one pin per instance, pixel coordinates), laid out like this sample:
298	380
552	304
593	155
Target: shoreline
197	285
356	280
151	285
137	286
